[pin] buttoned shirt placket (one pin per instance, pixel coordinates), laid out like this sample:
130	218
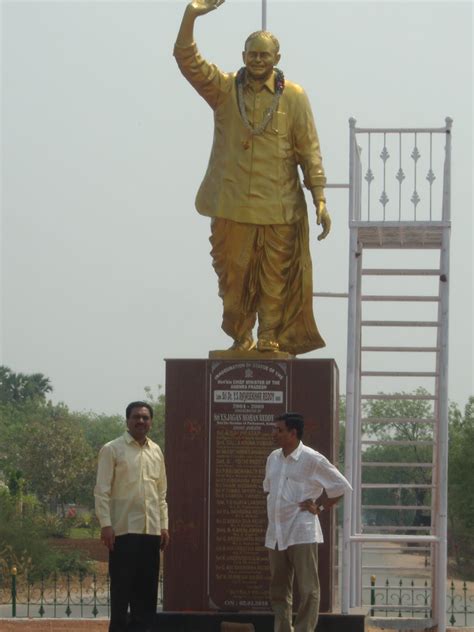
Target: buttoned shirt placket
281	482
255	119
141	487
142	483
254	103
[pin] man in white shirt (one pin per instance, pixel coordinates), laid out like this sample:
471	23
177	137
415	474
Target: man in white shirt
130	502
300	483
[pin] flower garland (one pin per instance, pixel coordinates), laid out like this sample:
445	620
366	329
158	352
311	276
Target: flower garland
279	87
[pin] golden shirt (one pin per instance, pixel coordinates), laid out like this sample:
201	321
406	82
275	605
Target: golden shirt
130	493
261	184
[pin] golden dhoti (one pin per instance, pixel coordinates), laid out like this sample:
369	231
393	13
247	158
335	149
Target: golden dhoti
266	270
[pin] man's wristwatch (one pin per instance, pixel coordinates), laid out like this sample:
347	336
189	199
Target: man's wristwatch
321	508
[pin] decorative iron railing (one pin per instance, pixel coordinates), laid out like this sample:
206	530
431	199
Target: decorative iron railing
87	596
78	595
400	174
403	598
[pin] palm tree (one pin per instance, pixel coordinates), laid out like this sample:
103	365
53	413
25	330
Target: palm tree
19	387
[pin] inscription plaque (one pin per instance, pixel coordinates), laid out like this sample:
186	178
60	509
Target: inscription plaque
219	417
244	399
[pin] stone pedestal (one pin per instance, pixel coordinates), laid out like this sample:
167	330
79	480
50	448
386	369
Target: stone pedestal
219	418
262	622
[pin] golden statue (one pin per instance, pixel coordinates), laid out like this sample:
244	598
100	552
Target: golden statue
264	129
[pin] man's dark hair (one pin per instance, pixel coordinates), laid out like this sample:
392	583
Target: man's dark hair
132	405
293	421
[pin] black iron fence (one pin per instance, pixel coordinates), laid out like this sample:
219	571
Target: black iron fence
461	605
77	595
404	598
83	595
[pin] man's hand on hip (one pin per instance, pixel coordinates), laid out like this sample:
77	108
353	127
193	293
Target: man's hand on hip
107	535
311	506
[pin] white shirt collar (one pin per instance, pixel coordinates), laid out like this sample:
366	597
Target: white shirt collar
295	455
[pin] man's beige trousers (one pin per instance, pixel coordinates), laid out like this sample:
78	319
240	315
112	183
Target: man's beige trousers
300	560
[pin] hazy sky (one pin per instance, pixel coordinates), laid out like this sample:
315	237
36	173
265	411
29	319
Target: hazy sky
105	263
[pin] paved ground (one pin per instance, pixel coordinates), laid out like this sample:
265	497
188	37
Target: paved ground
71	625
56	625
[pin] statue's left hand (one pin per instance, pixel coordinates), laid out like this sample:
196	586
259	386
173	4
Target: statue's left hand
323	219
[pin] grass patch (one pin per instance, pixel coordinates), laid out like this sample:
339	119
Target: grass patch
80	533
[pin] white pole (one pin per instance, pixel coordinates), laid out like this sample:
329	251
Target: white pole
443	404
442	465
347	566
264	15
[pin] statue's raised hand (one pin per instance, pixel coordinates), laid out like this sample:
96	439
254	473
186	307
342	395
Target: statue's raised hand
201	7
193	10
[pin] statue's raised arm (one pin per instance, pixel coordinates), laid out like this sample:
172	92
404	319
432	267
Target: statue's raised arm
264	131
193	11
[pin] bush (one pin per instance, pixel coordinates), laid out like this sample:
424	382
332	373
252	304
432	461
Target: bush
23	541
88	520
461	552
73	562
56	526
20	537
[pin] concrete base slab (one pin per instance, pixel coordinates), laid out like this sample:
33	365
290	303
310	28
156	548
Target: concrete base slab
402	623
211	622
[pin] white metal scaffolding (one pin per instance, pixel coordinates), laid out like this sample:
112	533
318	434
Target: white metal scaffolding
399	204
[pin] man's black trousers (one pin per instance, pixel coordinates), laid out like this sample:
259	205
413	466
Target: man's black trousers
134	565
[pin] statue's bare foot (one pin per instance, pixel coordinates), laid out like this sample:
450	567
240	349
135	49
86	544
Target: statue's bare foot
267	344
244	344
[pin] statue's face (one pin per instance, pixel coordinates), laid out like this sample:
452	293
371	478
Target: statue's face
260	57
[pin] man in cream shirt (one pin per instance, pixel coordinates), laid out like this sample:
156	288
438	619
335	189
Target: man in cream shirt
130	501
300	483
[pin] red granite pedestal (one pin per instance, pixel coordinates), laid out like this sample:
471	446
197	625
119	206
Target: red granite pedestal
219	418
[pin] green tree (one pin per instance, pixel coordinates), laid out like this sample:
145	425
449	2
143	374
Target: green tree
157	402
461	488
461	471
23	541
56	461
394	425
15	422
18	388
388	422
99	429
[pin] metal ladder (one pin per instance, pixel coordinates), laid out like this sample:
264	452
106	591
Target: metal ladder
392	215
